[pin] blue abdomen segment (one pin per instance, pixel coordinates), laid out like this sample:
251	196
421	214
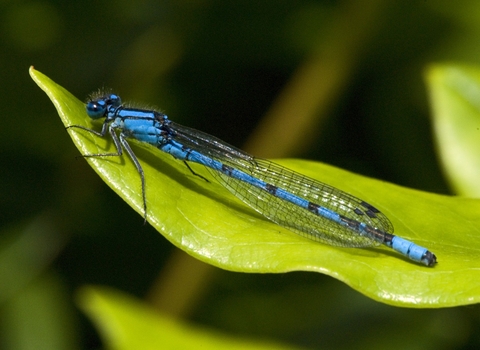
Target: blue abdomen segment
411	250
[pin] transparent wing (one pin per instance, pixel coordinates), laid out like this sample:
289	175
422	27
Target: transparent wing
280	211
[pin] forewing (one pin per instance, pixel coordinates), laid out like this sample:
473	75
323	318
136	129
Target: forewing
280	211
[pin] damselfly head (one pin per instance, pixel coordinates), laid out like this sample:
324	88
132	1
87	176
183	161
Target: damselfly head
98	107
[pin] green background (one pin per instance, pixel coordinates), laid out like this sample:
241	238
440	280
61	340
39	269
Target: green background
218	66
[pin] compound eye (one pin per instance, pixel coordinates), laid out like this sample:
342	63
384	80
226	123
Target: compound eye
96	109
114	100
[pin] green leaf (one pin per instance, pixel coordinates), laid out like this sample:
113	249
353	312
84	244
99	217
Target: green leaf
126	323
455	99
207	222
35	311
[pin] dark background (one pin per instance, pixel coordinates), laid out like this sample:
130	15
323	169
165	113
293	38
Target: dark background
218	66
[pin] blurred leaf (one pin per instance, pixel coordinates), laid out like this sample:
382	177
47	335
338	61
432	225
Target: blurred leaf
35	312
25	253
455	99
126	323
206	221
39	317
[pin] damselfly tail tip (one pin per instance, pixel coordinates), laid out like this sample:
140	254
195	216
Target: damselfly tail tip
429	259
